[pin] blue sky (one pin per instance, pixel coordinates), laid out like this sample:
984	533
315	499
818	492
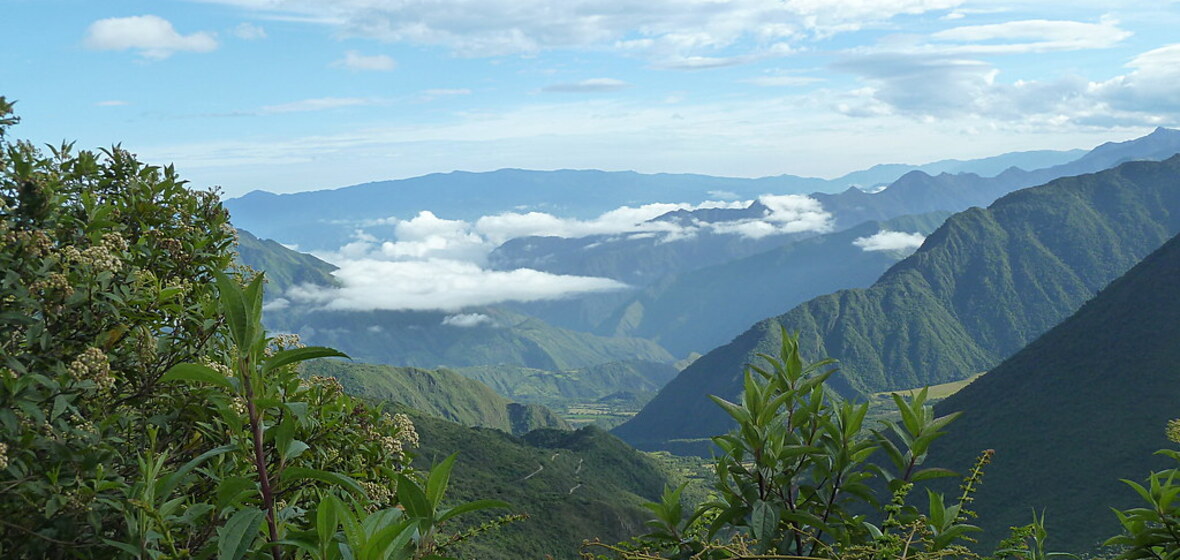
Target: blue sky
289	95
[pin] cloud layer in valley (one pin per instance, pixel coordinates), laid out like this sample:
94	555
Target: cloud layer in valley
886	240
429	262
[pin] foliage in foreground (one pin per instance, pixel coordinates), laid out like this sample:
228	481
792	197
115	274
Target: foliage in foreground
145	413
795	479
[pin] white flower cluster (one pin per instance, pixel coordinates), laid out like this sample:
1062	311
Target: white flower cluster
107	255
92	364
3	455
397	434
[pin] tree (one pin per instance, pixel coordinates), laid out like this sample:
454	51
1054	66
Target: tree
144	410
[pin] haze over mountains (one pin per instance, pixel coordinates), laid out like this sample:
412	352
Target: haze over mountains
981	286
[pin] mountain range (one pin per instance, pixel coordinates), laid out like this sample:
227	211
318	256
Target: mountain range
327	219
982	285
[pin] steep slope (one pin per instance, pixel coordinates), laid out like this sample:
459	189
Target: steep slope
427	339
284	267
1076	410
982	286
584	384
682	314
440	393
572	485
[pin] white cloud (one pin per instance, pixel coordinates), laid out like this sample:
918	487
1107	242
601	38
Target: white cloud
1026	36
318	104
929	87
354	60
152	36
626	219
111	103
1153	84
593	85
886	240
277	304
664	30
467	320
249	31
448	285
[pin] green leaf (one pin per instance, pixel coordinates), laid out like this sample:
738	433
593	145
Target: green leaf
436	483
294	449
327	519
235	538
169	483
763	522
234	307
413	498
295	355
198	373
291	474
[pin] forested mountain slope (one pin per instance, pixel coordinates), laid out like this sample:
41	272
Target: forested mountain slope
439	393
983	285
702	309
1076	410
428	339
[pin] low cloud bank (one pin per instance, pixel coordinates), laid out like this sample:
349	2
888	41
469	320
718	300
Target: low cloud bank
433	263
438	284
890	241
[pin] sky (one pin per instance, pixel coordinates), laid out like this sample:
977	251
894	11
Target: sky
291	95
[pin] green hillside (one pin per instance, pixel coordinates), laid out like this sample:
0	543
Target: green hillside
440	393
583	384
284	267
1076	410
703	309
572	485
982	286
426	339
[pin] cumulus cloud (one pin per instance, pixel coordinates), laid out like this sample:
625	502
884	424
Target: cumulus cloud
354	60
467	320
593	85
696	32
438	284
625	219
1152	85
886	240
152	36
937	86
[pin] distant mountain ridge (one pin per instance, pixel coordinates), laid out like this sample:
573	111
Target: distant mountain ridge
980	287
284	267
1076	410
326	219
645	259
